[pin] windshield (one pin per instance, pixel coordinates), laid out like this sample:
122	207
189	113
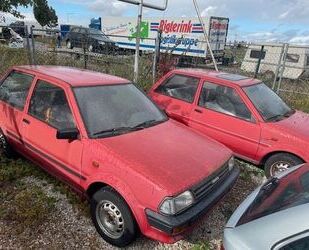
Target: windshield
268	103
278	194
97	33
109	110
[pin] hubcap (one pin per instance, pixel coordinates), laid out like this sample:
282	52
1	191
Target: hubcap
279	167
90	48
69	45
110	219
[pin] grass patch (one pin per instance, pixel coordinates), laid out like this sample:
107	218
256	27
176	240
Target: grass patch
12	171
24	205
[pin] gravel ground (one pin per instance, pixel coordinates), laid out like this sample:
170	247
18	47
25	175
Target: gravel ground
70	228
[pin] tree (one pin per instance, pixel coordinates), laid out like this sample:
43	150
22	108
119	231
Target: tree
10	6
45	15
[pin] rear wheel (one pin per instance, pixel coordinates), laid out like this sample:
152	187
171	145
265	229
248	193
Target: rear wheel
5	148
279	163
113	218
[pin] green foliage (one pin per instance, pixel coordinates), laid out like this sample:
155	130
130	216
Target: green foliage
203	246
10	6
44	14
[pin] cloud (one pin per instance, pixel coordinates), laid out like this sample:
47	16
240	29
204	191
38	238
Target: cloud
300	40
209	11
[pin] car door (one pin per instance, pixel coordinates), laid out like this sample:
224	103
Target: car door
176	95
14	90
222	114
49	111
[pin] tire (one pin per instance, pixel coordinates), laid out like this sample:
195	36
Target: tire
5	148
113	218
69	44
280	162
90	48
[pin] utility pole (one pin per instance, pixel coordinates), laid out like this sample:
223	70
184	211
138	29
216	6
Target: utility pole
205	34
141	4
138	41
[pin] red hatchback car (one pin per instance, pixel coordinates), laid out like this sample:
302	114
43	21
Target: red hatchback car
240	112
101	134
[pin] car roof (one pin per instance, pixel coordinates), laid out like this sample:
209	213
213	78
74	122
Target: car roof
73	76
224	77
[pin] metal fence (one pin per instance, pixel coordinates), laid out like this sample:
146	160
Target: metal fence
284	67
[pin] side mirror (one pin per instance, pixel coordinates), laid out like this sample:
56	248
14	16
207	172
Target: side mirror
68	134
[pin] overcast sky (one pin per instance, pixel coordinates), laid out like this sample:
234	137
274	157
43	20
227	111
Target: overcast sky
268	20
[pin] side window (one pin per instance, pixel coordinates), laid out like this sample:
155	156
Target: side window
49	104
297	244
293	58
257	53
15	88
224	100
179	87
307	62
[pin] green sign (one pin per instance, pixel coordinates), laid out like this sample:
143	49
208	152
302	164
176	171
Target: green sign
144	31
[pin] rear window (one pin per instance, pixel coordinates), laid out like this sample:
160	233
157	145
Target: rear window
290	191
179	87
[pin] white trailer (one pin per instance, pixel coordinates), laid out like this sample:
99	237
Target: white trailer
182	36
296	59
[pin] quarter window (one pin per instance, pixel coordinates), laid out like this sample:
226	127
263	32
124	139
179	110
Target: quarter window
180	87
15	88
224	100
49	104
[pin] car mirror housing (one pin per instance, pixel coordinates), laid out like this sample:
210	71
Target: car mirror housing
67	134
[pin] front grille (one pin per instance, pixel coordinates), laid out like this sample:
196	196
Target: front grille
203	188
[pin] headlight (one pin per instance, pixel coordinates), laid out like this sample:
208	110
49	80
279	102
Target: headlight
101	43
171	206
231	163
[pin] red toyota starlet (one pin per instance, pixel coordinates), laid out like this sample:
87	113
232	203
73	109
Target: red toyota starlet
240	112
101	134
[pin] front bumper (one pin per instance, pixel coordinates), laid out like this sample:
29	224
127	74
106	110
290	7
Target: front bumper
173	225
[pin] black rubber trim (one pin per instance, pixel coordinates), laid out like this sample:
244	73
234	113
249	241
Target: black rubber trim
35	150
187	218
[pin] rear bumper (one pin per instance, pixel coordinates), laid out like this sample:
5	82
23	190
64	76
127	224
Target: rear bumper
173	225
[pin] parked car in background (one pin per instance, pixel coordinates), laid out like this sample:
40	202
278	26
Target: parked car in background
275	216
91	39
11	38
140	170
240	112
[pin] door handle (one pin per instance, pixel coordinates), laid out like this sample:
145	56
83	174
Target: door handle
198	110
26	121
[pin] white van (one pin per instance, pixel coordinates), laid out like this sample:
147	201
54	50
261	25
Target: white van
296	63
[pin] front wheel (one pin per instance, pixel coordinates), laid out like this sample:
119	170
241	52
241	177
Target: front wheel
113	218
279	163
69	44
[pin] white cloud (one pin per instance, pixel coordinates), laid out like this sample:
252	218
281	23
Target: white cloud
300	40
209	11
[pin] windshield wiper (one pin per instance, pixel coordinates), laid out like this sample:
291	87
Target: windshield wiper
114	131
289	113
146	124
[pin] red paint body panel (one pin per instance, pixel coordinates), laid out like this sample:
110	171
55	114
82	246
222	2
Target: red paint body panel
251	141
144	166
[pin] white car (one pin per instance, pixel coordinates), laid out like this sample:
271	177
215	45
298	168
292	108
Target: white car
275	216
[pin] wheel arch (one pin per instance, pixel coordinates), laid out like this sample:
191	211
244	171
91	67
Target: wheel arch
270	154
126	195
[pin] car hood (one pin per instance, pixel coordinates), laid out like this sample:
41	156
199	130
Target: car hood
170	155
297	124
